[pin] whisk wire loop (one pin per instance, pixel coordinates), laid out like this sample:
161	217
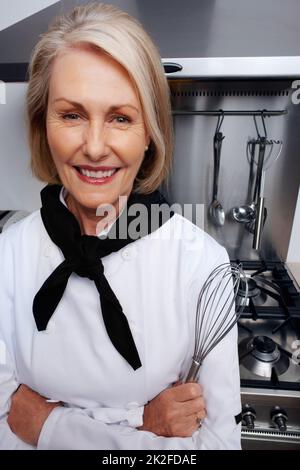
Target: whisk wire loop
216	312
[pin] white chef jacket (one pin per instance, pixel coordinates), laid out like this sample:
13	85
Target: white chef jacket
157	280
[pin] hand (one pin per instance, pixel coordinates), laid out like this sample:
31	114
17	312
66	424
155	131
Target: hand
27	414
174	412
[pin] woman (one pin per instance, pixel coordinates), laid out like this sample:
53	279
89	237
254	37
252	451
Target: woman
84	374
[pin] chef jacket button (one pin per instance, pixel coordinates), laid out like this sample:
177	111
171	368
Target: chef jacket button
129	253
126	254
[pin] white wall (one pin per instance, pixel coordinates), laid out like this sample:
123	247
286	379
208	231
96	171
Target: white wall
18	189
12	11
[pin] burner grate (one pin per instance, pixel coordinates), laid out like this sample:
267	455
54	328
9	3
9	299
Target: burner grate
276	316
274	281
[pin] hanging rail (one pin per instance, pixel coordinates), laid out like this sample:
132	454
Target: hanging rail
221	112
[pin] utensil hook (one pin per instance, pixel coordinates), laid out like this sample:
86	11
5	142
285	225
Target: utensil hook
220	121
262	116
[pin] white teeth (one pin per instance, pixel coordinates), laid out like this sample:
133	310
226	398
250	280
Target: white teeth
97	174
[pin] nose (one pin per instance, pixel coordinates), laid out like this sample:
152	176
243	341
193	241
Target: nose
96	141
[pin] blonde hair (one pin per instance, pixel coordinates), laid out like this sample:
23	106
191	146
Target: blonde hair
122	37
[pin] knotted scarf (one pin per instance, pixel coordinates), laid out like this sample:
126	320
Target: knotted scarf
83	255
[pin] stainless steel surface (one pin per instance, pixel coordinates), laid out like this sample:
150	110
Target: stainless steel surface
192	174
266	434
236	67
269	440
231	112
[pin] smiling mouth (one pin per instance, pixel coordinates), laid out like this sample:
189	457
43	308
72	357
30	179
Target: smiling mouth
96	174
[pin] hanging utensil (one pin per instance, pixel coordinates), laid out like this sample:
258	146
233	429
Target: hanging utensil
261	211
245	213
216	211
251	224
267	163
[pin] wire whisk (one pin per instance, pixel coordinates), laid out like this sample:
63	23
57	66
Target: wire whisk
217	311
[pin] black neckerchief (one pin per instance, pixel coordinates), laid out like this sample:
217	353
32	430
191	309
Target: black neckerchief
83	255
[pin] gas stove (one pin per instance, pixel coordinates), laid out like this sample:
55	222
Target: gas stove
269	355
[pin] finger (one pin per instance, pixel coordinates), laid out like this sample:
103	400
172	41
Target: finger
199	415
187	391
186	427
183	427
192	407
195	420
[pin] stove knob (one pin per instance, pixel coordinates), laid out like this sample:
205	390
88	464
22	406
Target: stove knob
248	416
279	417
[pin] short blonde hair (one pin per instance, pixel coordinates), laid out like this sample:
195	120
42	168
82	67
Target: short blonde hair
114	32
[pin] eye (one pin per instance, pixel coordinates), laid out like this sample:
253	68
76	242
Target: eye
121	119
70	116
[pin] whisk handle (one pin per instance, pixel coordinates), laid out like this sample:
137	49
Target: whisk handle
193	372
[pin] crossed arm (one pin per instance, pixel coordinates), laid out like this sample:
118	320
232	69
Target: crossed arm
173	413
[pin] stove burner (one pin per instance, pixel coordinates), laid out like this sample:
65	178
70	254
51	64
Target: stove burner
254	291
260	355
264	345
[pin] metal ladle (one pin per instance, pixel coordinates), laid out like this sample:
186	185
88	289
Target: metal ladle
245	213
216	211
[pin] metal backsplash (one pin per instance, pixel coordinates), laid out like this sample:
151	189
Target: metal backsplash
192	175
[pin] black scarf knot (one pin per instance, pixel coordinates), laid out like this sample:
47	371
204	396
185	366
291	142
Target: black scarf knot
87	257
83	255
90	269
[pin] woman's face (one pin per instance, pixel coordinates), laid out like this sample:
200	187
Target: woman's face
95	127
